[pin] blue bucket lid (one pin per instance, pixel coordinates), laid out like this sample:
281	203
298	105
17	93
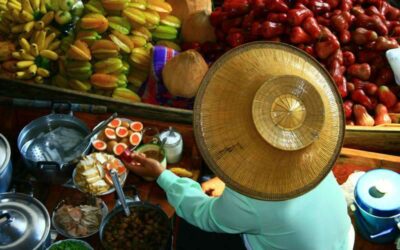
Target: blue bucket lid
378	192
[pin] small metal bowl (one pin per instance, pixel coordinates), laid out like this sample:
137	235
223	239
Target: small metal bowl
87	200
86	246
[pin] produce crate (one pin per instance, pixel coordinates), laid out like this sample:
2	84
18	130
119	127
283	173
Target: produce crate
384	139
352	160
21	89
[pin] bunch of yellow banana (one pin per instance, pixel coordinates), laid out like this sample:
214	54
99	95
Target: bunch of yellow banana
34	58
22	17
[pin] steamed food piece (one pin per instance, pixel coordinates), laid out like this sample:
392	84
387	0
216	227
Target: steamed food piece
78	221
92	172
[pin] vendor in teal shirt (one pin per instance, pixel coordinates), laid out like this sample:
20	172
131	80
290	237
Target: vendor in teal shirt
316	220
269	122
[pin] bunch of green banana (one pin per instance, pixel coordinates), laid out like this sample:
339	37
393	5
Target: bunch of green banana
34	58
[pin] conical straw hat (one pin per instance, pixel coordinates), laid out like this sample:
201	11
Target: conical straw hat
268	120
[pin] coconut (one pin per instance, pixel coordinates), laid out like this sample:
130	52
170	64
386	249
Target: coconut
197	28
183	74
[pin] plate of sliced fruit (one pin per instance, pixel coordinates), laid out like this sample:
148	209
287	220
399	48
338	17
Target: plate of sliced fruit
120	134
92	173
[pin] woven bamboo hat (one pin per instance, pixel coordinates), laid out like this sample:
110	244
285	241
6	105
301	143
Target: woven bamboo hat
268	120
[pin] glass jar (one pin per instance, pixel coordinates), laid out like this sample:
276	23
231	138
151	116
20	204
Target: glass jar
173	145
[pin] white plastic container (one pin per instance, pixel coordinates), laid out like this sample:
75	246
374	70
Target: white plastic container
393	57
173	146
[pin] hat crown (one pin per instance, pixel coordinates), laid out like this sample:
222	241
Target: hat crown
288	112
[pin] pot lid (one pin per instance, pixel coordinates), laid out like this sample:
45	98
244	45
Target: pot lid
4	153
172	137
24	222
378	192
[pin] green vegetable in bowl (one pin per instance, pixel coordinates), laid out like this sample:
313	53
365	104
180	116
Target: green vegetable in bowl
69	245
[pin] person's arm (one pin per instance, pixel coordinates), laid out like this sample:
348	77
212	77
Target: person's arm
230	213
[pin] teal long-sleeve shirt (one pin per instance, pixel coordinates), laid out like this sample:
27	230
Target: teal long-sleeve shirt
315	220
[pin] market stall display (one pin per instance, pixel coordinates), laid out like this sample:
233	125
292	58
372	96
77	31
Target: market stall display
350	38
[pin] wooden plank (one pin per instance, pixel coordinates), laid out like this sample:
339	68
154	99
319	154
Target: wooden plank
20	89
378	139
369	159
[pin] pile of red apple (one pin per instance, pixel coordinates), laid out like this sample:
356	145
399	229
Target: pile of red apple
348	37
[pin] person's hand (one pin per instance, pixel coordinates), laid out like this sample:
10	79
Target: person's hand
143	166
213	187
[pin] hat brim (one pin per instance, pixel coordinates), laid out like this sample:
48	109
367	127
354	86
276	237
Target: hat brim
227	136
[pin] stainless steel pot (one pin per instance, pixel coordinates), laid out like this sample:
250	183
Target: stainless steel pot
5	164
54	171
135	205
24	222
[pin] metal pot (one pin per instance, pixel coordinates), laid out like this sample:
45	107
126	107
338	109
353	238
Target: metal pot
133	204
54	171
377	197
5	164
24	222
